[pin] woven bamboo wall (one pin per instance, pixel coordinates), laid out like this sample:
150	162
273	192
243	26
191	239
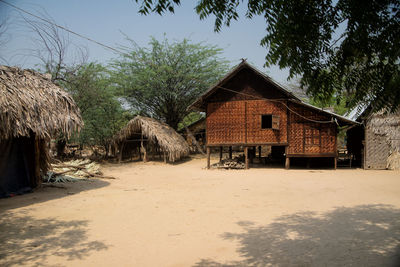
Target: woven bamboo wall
307	137
377	150
382	139
226	123
255	134
239	122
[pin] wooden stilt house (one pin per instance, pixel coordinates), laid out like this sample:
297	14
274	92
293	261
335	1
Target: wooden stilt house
247	108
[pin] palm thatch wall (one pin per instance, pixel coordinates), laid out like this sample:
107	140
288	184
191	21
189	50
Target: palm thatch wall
32	109
31	102
157	133
382	141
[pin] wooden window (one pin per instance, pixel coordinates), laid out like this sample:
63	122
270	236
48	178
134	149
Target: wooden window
269	121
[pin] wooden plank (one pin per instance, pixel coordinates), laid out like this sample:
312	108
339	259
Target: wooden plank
319	155
250	144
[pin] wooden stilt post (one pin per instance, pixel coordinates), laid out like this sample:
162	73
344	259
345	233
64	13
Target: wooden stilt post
287	163
165	157
335	162
140	153
246	157
220	153
230	152
145	157
208	157
121	148
144	149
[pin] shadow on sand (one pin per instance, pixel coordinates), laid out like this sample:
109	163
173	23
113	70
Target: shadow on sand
367	235
49	192
26	240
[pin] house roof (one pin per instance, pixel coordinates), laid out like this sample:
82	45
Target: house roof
200	101
31	102
157	132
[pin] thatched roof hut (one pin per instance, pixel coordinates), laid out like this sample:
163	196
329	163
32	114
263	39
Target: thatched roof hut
31	102
32	109
143	131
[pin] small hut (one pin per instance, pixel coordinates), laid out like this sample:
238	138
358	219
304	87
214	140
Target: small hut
32	109
376	143
149	136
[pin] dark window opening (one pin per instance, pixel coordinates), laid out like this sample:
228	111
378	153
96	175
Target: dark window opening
269	121
266	121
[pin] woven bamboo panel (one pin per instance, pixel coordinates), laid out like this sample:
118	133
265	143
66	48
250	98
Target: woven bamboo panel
226	123
296	143
377	150
307	137
255	109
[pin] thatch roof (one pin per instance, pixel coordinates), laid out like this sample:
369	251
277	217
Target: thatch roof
30	101
158	133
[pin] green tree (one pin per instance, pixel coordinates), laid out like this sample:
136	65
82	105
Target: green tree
346	48
163	80
102	113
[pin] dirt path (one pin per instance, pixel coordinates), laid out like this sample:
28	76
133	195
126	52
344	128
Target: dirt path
184	215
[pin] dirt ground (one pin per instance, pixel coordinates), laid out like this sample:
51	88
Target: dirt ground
184	215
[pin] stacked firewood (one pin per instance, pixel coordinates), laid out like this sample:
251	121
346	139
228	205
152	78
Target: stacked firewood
235	163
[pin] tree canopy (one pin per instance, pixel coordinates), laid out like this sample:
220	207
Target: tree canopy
102	113
349	49
162	80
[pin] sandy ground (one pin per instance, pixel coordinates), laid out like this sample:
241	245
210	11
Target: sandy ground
184	215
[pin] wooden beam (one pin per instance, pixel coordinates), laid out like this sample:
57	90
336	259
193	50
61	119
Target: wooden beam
208	157
246	157
335	162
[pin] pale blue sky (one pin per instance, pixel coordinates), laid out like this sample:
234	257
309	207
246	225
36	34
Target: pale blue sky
104	21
